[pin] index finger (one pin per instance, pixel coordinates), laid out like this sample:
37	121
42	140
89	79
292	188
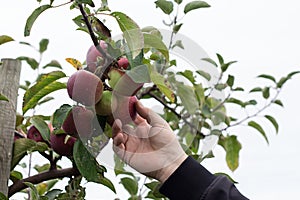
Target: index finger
152	118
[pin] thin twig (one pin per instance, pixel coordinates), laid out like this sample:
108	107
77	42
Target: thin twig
253	115
177	114
63	4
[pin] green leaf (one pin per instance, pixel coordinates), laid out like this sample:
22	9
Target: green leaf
211	61
43	45
42	168
15	176
230	81
33	193
187	97
221	86
162	84
60	115
153	41
266	92
3	98
218	117
32	18
45	85
179	44
256	89
131	31
258	127
273	121
195	5
282	81
154	190
177	27
139	74
232	147
290	75
41	126
225	66
51	195
278	102
53	63
5	39
30	61
221	59
266	76
204	74
22	146
165	6
3	197
235	101
189	75
88	165
130	185
178	1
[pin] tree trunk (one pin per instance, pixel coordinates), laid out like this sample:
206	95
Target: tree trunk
9	84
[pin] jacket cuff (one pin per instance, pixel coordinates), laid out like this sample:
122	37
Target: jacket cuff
189	177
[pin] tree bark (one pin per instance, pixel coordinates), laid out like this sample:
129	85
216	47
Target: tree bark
9	84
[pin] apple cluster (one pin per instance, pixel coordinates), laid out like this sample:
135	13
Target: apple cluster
114	99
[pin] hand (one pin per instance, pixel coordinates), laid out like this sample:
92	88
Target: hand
149	147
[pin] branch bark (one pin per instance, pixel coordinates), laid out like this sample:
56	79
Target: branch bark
52	174
9	84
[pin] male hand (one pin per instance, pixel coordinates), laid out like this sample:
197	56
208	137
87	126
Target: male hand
149	147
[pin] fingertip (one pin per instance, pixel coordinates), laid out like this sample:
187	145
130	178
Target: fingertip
116	127
142	110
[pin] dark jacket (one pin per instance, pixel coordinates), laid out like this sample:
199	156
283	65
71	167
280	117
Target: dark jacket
191	181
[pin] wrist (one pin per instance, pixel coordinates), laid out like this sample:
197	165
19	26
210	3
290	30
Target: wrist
167	171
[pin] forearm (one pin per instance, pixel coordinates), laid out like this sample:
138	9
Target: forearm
192	181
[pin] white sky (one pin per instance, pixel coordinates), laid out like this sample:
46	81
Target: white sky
263	36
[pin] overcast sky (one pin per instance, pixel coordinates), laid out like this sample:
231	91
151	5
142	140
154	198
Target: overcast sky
263	36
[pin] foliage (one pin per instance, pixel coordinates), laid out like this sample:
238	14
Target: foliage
189	106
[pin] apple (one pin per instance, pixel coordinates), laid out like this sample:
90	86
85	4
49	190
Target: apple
62	145
122	83
104	106
85	87
124	108
34	134
123	63
18	135
93	56
79	122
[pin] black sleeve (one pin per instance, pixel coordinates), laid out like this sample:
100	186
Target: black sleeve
191	181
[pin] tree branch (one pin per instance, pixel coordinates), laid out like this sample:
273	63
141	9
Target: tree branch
52	174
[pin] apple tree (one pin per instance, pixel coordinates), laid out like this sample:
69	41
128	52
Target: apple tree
138	65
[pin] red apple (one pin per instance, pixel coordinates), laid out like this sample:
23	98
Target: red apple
85	87
79	122
61	146
93	56
18	135
125	108
123	63
34	134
